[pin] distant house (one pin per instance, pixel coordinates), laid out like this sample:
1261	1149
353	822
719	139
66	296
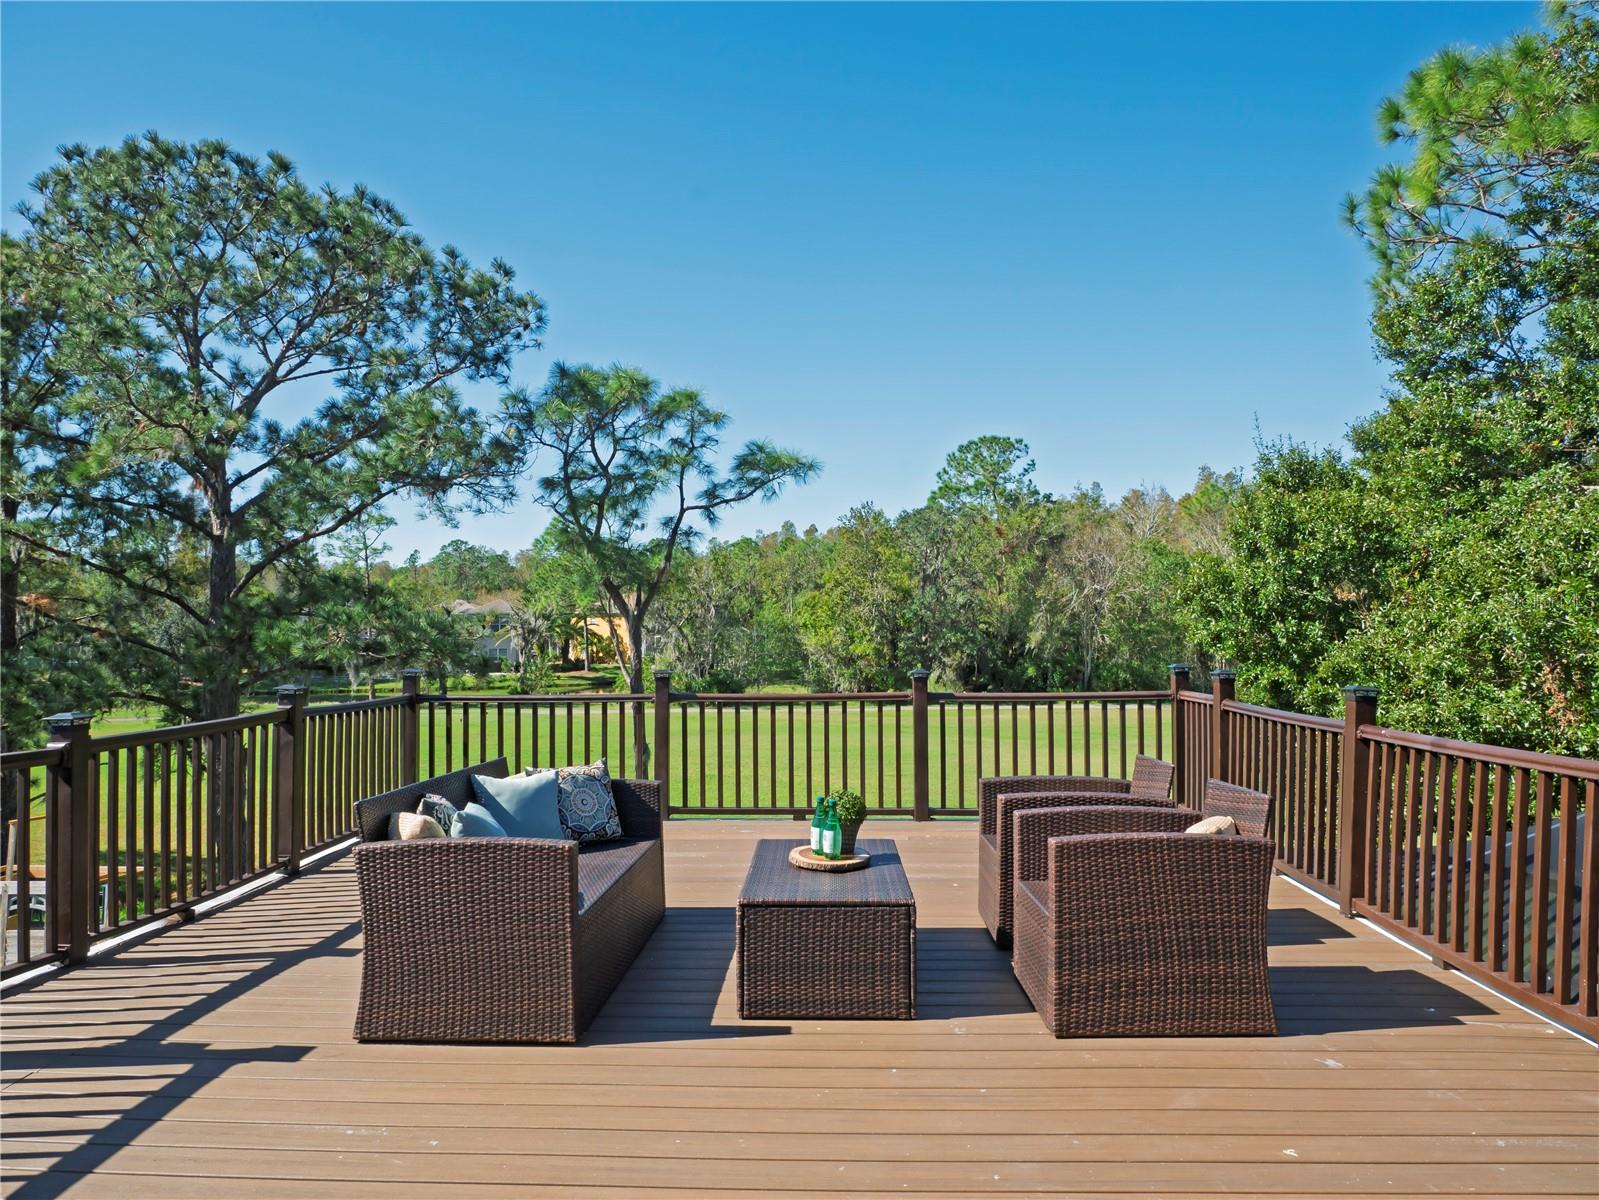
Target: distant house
495	617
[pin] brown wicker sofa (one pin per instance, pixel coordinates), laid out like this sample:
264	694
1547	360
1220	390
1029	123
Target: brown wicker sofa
1128	927
500	939
1000	796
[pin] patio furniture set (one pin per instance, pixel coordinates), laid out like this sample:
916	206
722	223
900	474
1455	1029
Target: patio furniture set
1121	918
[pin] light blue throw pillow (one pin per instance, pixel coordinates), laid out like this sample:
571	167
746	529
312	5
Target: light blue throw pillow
524	805
475	821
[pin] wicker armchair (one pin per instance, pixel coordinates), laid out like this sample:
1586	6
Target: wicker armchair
1000	796
1127	927
500	939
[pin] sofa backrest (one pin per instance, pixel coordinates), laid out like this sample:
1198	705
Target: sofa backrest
372	814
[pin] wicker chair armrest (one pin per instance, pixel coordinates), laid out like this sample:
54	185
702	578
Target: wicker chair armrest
638	805
452	877
990	789
1032	829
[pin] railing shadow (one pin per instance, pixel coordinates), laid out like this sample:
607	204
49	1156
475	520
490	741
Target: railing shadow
190	1065
674	987
1302	927
961	973
1348	999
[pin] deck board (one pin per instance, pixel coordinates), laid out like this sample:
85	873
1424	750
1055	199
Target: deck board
216	1059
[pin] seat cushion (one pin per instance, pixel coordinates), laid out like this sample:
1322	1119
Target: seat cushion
523	805
600	864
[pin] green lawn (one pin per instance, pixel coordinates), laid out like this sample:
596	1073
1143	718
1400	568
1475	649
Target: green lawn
774	755
731	756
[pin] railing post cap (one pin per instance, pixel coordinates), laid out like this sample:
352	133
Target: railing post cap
68	720
1224	674
662	673
288	693
1361	693
920	673
411	673
1178	668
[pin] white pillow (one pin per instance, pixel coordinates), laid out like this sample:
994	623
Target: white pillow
1215	826
410	827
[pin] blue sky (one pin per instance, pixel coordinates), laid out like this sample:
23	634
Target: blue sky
869	232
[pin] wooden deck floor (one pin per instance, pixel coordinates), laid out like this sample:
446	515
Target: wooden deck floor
216	1060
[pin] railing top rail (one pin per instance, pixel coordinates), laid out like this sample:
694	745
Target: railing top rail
782	697
348	706
531	698
1024	697
1188	697
22	760
1532	760
1283	717
175	733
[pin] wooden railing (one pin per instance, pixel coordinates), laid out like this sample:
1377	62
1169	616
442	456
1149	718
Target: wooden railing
1476	854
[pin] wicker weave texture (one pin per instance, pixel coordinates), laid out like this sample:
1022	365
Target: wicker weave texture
820	946
1032	828
995	864
1251	809
552	928
1147	935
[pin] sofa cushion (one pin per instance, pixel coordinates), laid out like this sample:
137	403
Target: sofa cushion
1215	826
600	864
523	805
412	827
588	809
475	821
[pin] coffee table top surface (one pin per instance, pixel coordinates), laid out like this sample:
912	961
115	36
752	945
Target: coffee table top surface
772	879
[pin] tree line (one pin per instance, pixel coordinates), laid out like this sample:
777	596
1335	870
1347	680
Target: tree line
219	382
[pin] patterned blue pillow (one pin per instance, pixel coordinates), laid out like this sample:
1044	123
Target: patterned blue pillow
436	806
588	809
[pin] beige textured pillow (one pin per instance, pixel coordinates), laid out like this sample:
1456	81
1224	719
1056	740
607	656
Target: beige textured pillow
1222	826
408	827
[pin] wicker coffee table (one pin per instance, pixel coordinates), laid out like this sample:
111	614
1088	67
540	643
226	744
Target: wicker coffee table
818	945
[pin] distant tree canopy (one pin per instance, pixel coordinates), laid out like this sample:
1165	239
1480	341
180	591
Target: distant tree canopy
1453	558
614	452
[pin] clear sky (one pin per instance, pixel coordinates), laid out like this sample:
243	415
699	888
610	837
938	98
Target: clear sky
868	232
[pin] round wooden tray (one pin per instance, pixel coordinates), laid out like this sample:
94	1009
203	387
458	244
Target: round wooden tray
801	856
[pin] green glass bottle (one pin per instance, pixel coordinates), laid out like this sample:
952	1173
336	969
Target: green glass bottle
816	825
832	833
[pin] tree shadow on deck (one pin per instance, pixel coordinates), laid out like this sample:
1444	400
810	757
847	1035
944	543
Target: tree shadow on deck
159	1074
1347	999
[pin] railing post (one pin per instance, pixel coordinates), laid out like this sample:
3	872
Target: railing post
1360	708
410	747
663	738
1179	685
73	869
288	797
922	809
1221	691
